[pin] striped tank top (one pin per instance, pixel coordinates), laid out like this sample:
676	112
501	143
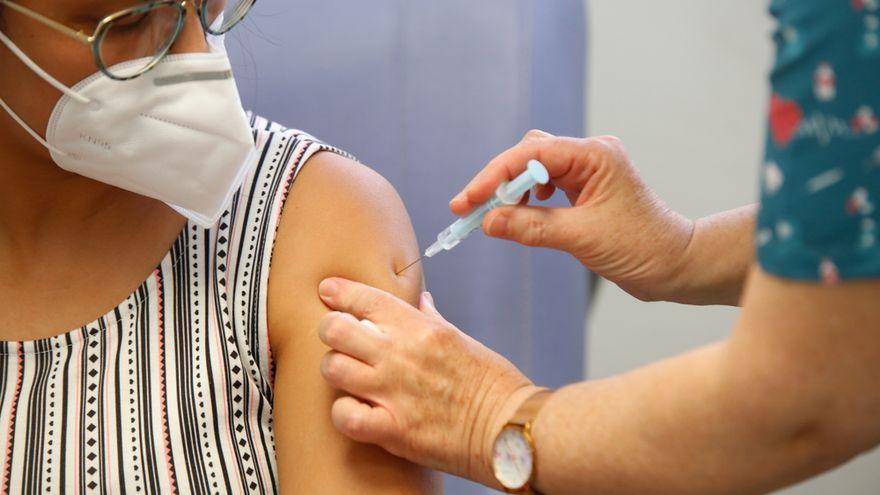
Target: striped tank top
171	391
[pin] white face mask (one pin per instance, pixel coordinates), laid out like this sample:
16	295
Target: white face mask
177	134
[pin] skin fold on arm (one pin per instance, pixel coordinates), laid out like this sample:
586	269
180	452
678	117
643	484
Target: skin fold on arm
341	219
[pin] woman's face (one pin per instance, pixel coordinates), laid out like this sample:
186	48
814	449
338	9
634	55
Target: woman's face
63	57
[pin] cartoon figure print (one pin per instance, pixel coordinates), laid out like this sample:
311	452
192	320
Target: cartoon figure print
825	83
870	39
865	121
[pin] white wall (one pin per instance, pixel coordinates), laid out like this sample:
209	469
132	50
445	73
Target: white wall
682	82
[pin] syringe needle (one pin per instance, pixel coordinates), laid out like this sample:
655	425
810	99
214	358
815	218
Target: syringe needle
407	267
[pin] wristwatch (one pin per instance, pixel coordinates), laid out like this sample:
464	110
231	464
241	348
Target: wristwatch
514	455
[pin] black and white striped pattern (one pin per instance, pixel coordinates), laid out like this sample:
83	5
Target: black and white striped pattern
171	391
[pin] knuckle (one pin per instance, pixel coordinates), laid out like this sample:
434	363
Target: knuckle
611	144
334	331
535	231
383	343
427	340
374	305
333	367
438	337
535	134
532	134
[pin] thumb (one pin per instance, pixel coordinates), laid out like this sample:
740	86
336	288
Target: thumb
532	226
426	305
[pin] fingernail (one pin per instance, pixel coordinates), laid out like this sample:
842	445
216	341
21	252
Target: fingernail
497	226
328	288
457	199
428	299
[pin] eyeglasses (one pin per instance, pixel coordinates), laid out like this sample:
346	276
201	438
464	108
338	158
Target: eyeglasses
131	42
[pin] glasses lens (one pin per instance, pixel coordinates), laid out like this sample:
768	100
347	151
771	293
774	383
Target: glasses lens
134	42
233	11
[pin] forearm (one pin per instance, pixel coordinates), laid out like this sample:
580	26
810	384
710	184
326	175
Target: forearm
717	259
792	393
671	428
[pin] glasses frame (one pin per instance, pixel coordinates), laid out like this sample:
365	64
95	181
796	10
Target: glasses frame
206	25
94	40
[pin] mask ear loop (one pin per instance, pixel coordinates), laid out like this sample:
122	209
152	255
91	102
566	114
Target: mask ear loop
40	72
49	79
30	131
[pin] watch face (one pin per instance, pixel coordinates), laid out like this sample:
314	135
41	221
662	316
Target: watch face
512	459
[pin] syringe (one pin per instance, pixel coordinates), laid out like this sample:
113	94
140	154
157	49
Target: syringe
508	193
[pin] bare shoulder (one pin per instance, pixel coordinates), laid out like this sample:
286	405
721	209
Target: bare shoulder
341	219
345	208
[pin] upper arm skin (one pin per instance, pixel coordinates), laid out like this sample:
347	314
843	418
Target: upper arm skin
341	219
800	375
821	343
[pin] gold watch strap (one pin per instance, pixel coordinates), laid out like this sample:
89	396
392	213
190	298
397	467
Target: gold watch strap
524	417
530	408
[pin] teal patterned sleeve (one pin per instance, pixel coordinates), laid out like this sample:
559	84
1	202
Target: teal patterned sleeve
821	176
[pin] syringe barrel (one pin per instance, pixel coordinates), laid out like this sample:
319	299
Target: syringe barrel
509	193
464	226
512	192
